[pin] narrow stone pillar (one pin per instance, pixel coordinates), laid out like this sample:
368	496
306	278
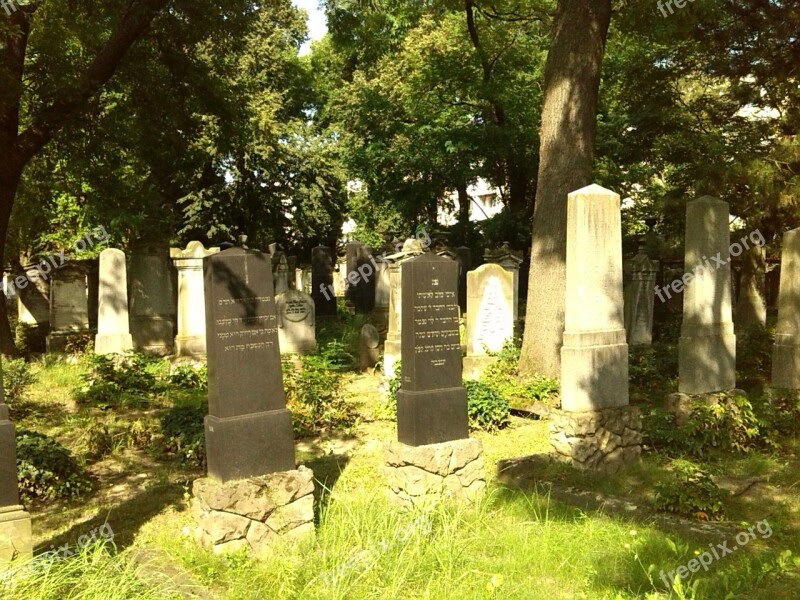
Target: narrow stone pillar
639	299
707	346
16	538
392	346
786	351
113	327
191	338
595	428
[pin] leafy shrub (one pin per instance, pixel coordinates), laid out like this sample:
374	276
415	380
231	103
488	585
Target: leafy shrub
690	492
652	370
46	470
183	428
189	377
107	435
487	409
117	381
337	355
79	343
753	356
503	376
16	377
314	397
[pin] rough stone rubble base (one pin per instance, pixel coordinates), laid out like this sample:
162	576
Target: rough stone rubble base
602	440
419	476
253	513
16	537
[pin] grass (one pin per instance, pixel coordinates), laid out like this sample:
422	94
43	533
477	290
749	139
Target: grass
516	543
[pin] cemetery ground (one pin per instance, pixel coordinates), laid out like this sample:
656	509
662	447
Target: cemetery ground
121	443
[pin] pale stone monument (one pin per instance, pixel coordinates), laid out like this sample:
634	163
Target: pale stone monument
113	328
751	306
639	298
280	265
369	347
434	455
707	346
152	300
490	316
254	492
69	306
33	309
595	428
510	261
16	538
786	351
296	322
191	338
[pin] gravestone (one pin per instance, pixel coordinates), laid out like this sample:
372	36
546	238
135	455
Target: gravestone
639	299
786	351
434	455
595	428
707	346
280	266
510	261
393	344
191	338
153	307
340	278
490	316
369	347
751	306
33	311
16	538
113	328
296	322
69	306
253	493
382	292
361	276
322	281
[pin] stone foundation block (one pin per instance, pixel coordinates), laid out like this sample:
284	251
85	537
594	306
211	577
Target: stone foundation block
681	405
602	440
253	513
422	475
16	537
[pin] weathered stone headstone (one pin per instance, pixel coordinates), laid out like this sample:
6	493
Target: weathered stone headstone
253	493
707	346
490	316
191	338
69	306
434	454
786	351
340	278
322	281
369	347
280	266
751	306
16	539
361	275
152	300
510	261
296	322
639	299
33	310
595	427
391	349
113	328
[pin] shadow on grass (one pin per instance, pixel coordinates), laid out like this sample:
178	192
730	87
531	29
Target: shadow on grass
327	471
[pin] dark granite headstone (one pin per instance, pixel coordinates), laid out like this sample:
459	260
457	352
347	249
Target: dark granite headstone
322	281
9	492
248	429
431	402
361	276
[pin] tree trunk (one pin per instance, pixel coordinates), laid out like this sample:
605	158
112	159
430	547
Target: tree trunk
464	202
8	189
572	81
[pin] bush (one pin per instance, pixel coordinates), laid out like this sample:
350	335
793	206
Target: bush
653	371
503	376
183	428
486	408
753	357
16	377
117	381
189	377
47	470
690	492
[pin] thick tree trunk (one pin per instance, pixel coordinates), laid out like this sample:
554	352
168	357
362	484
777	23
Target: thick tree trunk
8	189
464	202
572	80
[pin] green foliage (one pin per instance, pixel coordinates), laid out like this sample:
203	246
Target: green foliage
17	376
690	492
652	371
117	381
487	409
753	357
189	377
183	428
314	396
46	470
79	343
503	376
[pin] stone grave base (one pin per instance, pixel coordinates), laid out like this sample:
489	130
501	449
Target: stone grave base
680	404
115	343
253	513
786	362
602	440
421	475
474	366
16	537
153	335
193	346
